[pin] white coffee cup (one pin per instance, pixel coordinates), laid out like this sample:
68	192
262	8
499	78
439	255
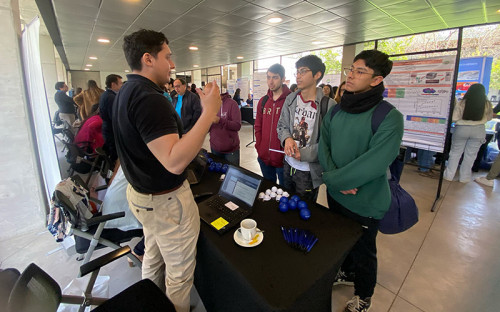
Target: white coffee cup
248	229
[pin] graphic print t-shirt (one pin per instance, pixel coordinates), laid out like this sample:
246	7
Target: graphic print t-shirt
303	127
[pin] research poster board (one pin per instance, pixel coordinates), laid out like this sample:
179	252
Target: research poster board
421	90
244	85
259	89
231	87
473	70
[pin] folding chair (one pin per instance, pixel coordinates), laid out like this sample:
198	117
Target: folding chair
96	236
36	291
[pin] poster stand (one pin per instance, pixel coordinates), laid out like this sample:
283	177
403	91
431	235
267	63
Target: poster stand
447	142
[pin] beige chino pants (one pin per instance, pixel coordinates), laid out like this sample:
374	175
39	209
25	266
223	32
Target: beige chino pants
171	225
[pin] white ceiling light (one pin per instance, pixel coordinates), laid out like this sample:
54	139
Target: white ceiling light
89	65
92	57
239	57
87	69
103	40
127	71
193	48
275	20
195	65
318	42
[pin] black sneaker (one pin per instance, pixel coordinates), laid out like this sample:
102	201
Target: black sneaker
357	304
344	278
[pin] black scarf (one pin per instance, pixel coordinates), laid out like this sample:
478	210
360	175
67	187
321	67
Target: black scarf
361	102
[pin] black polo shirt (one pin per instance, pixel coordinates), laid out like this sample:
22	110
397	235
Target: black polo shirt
142	114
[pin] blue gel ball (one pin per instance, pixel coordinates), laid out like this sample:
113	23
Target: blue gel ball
211	167
302	205
283	207
295	198
292	205
218	167
283	200
224	168
210	160
305	214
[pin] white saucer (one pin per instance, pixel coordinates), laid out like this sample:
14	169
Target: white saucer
239	240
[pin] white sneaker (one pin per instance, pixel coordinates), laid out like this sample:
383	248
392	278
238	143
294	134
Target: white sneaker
484	181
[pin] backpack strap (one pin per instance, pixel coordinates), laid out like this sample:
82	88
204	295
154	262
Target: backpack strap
382	109
324	106
335	109
263	103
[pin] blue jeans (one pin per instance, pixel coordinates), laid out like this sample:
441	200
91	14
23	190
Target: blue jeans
424	160
233	158
270	172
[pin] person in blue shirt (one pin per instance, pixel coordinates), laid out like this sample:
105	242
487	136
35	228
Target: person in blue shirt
187	104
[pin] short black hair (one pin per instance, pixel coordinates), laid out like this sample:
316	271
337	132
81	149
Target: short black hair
314	63
140	42
376	60
277	69
59	85
112	78
183	82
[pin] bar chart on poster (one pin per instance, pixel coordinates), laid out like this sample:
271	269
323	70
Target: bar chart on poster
421	90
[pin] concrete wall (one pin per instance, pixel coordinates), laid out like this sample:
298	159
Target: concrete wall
79	78
21	205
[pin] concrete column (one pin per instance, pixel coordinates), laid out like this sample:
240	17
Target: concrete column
22	207
348	54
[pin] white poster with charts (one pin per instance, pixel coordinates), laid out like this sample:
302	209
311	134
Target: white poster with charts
421	90
259	89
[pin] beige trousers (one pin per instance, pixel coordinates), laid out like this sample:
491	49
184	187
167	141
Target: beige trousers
171	225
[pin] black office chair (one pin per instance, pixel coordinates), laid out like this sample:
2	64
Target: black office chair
96	236
36	291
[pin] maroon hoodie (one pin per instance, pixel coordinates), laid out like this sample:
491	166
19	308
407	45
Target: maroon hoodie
224	135
266	123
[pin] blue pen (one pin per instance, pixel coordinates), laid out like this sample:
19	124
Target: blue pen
309	249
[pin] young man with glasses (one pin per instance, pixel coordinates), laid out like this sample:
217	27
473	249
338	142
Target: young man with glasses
298	129
355	162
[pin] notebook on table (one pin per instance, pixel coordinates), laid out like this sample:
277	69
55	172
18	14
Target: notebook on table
233	202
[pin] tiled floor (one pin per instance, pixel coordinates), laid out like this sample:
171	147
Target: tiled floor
447	262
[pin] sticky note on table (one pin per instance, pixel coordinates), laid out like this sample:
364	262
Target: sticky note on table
231	206
219	223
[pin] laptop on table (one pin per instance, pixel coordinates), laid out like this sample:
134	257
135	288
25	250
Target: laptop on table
234	201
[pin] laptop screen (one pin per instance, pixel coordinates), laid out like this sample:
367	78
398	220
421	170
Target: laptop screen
240	185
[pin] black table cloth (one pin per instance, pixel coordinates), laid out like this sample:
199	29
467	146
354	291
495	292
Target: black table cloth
271	276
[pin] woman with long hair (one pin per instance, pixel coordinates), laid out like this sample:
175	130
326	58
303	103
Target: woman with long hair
88	98
340	92
237	97
328	91
469	115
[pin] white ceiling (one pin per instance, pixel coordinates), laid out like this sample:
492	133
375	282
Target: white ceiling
224	29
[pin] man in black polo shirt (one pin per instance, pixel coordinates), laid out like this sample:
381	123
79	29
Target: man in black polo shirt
153	157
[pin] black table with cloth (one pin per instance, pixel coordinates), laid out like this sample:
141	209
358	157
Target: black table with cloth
271	276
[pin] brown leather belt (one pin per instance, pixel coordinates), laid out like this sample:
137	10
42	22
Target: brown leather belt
168	191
